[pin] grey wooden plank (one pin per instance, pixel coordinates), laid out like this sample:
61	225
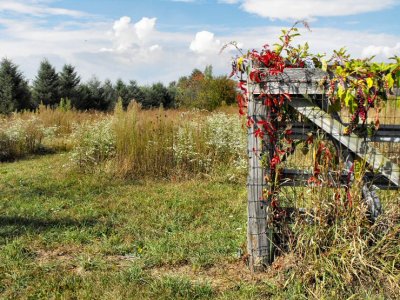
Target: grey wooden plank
291	81
356	144
258	242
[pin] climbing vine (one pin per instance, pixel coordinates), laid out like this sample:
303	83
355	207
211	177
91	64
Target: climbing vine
355	86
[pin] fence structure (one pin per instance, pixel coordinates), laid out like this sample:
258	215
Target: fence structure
311	118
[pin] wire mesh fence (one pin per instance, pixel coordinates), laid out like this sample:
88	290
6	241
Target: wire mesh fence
326	158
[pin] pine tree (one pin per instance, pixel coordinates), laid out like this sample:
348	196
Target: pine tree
122	92
109	96
96	94
46	87
14	90
135	92
69	82
157	95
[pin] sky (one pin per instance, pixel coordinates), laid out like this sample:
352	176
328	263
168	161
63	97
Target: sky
161	40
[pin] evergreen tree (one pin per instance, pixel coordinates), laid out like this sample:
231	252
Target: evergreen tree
96	94
69	82
109	96
14	90
157	95
85	100
91	95
46	86
135	92
122	92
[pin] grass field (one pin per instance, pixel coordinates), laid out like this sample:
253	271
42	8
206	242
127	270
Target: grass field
69	236
152	205
65	235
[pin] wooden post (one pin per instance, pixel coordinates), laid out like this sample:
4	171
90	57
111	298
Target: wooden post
259	236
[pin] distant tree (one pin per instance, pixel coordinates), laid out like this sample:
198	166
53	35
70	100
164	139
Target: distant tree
14	90
96	94
68	83
208	72
173	92
157	95
188	89
46	86
85	99
215	92
122	91
92	96
196	75
135	92
202	90
109	94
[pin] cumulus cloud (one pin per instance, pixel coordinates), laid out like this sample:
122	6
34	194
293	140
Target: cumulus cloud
145	27
310	9
135	49
373	50
128	35
205	43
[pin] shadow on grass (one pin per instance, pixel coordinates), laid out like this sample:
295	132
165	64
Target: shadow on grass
13	226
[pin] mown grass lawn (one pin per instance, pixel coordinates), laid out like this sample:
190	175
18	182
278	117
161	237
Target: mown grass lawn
65	235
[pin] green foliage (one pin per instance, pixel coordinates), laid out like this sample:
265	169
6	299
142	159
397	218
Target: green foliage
157	95
122	92
205	91
94	95
109	96
99	237
65	105
153	144
208	72
136	93
19	137
46	87
69	82
14	90
93	142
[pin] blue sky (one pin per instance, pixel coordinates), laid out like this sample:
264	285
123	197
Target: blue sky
161	40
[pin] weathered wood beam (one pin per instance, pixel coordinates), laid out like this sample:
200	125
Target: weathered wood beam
292	81
354	143
259	237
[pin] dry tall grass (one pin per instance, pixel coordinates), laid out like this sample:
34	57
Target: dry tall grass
163	144
173	143
45	129
334	250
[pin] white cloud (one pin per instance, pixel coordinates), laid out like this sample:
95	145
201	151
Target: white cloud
128	36
205	43
228	1
309	9
154	48
37	8
135	49
145	27
385	51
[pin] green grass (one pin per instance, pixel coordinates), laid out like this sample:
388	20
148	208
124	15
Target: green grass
65	235
69	235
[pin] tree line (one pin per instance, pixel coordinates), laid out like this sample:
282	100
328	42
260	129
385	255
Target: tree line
198	90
